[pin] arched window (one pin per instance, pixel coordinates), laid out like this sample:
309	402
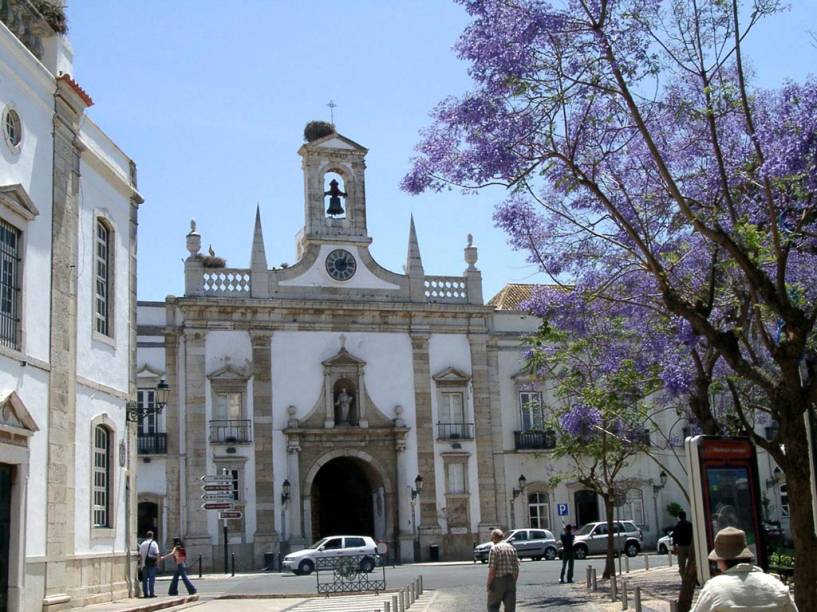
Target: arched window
538	511
102	476
103	278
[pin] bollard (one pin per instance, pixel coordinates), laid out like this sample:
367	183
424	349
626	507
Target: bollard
624	602
402	602
418	589
394	603
669	557
420	578
232	563
673	606
613	589
412	598
637	597
595	581
589	575
646	563
199	566
627	565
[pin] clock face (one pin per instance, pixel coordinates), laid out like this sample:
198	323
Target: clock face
341	265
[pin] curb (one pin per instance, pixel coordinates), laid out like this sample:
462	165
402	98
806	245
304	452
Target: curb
160	605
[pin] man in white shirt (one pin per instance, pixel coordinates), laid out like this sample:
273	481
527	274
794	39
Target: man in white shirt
148	558
741	586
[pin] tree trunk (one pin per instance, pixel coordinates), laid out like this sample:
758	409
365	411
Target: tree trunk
688	582
609	563
798	479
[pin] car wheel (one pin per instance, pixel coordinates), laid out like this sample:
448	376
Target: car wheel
580	552
306	567
662	549
366	565
550	554
632	549
483	560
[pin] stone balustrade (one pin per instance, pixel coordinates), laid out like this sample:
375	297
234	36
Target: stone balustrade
446	289
225	282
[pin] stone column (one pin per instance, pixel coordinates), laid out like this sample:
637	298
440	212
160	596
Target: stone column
296	528
62	381
484	436
265	538
429	526
196	442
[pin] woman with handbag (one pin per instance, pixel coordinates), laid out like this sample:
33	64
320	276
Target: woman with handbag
179	555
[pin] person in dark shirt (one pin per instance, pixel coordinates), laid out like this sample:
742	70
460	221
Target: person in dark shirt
682	540
567	538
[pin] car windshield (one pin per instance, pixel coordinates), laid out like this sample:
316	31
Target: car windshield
585	529
318	543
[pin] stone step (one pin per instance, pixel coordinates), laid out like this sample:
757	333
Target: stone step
360	603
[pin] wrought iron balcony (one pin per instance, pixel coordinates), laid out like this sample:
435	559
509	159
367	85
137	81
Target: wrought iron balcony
151	443
230	431
534	440
455	431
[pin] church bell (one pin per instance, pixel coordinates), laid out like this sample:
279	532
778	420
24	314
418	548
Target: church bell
335	207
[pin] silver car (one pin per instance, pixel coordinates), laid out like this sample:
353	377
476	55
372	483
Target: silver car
529	543
591	539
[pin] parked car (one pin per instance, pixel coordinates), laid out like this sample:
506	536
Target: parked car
303	561
531	543
665	544
591	539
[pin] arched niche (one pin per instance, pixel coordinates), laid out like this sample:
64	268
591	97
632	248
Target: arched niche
344	371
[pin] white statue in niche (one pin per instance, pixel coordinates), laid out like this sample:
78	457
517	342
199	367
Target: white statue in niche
343	403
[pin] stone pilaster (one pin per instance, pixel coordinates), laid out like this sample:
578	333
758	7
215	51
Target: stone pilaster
173	428
496	428
265	538
429	526
296	529
195	415
484	435
62	392
132	460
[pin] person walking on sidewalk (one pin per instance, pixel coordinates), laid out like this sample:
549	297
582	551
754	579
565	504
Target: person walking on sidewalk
148	557
742	585
568	555
682	540
503	570
179	555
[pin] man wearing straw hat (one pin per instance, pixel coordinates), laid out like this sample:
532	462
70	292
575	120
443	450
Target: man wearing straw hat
742	585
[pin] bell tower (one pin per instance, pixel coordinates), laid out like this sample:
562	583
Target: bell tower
334	191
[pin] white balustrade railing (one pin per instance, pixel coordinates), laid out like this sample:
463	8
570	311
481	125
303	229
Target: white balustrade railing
446	289
231	282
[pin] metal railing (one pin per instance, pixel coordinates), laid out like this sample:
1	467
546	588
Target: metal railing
455	431
534	440
230	431
151	443
350	574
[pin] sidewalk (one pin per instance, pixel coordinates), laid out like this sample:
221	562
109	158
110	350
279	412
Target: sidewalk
658	588
142	604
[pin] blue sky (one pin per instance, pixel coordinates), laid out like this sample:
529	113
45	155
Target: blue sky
210	99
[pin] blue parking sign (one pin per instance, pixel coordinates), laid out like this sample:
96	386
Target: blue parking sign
561	509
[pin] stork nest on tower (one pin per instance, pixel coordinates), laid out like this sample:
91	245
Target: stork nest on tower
317	129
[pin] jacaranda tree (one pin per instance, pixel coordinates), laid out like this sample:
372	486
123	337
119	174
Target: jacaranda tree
647	169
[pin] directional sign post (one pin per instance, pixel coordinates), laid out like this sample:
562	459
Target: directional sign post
223	496
217	478
230	514
227	486
217	505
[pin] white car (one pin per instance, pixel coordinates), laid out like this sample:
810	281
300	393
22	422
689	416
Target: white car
304	561
665	544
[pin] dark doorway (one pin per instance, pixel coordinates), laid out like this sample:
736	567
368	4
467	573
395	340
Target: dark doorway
587	507
5	532
147	519
342	500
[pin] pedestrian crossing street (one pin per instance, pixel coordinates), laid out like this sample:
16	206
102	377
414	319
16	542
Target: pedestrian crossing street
361	603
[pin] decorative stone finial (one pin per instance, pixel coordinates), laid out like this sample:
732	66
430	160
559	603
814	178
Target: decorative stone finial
193	240
292	421
398	419
343	342
471	255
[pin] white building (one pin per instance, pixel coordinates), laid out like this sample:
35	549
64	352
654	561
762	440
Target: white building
260	362
68	204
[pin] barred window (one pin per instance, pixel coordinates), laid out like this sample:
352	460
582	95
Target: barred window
9	285
102	476
103	278
538	511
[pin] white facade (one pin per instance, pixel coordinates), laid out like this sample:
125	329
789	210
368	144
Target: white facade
60	379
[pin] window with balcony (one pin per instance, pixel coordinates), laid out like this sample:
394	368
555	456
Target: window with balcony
452	423
150	438
228	425
530	404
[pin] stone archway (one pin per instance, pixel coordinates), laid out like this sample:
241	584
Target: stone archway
348	492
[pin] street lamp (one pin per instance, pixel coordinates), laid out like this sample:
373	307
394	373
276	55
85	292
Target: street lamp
135	412
285	489
514	494
415	492
656	488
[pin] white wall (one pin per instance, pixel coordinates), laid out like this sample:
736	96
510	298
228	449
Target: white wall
316	275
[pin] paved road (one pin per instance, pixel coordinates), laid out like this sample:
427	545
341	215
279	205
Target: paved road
459	587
